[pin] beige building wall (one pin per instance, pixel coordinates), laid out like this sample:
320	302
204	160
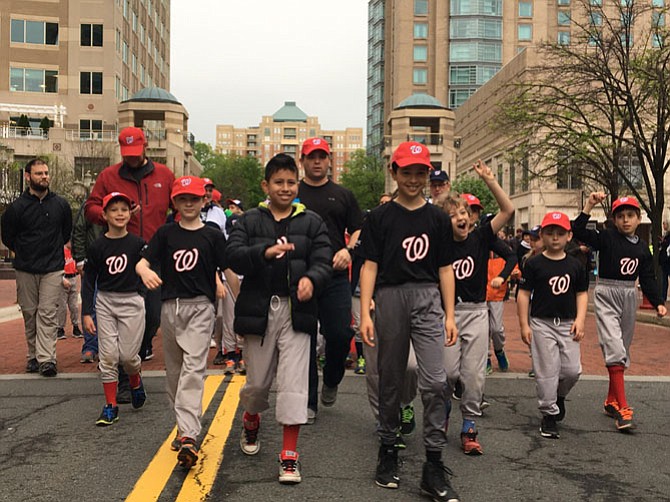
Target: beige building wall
271	137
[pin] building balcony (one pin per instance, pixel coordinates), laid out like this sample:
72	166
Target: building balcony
14	132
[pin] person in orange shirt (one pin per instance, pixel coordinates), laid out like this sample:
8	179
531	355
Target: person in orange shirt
70	297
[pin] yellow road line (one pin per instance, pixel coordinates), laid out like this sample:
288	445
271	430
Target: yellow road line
150	485
200	479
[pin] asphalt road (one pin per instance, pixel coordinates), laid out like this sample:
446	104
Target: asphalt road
50	449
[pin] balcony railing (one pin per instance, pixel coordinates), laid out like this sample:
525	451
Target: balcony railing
12	132
84	135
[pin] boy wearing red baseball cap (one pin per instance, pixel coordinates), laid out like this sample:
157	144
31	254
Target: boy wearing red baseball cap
189	254
624	258
407	246
110	266
558	285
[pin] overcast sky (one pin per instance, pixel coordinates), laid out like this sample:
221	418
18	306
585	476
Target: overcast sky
235	61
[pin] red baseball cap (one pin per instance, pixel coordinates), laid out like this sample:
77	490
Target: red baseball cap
191	185
411	153
113	197
208	182
556	218
132	141
313	144
472	200
625	201
216	195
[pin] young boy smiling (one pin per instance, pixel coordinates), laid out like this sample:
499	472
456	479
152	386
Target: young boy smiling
284	253
624	258
407	246
110	263
189	254
558	285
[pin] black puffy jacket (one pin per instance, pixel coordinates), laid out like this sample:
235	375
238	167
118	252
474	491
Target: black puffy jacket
312	257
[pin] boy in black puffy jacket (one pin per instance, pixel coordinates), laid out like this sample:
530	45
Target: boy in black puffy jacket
284	253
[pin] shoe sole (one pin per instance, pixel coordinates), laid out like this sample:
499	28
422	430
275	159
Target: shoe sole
391	485
549	435
187	458
105	423
474	452
625	427
251	453
437	498
290	480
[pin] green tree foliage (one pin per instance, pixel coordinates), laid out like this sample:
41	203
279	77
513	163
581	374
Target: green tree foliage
364	176
236	177
475	186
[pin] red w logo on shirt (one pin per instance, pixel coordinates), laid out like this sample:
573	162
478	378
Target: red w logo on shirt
116	264
464	268
185	259
416	248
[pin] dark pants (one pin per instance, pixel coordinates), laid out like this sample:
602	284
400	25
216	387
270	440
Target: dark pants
90	341
152	306
665	270
335	322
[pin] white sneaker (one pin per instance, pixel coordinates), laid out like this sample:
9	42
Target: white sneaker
249	442
212	344
289	467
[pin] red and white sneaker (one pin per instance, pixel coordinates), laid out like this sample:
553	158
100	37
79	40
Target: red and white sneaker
289	467
470	444
249	442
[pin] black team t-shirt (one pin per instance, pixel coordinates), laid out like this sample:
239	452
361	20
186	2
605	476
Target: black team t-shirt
554	285
408	246
279	266
338	208
188	260
471	264
111	263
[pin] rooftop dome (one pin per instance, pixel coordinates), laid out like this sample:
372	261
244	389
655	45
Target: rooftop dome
155	94
420	101
290	113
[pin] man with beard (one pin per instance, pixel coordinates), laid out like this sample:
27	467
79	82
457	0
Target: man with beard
35	227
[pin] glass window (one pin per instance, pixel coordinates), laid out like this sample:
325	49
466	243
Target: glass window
17	30
563	2
525	9
33	80
525	31
91	35
51	33
656	40
563	18
462	74
16	79
657	19
420	7
658	3
50	81
459	96
420	53
596	18
420	30
420	76
596	2
34	32
90	82
564	38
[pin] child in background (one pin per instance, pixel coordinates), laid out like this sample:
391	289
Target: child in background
555	287
110	266
284	253
190	254
70	298
624	258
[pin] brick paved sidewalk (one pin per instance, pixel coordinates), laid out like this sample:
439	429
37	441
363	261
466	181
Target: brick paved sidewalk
650	351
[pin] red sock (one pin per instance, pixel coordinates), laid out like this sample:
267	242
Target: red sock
617	391
110	392
134	380
291	437
251	421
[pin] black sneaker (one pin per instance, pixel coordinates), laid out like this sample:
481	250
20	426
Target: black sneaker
123	396
109	415
60	334
32	366
219	359
76	332
458	391
400	442
435	482
407	420
548	427
48	369
560	402
387	467
138	396
188	453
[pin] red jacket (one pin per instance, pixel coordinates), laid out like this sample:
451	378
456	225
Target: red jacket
152	194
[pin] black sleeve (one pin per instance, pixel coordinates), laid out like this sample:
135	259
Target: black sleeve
648	282
152	251
220	250
500	247
320	259
9	227
241	257
582	279
591	237
88	284
354	215
67	221
527	281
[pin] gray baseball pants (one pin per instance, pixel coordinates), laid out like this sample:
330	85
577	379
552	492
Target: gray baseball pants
556	361
39	296
186	324
120	321
411	312
496	326
466	359
615	305
282	353
70	300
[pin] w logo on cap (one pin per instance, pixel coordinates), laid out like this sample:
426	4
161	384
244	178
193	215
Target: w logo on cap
556	216
624	199
416	149
316	141
185	182
129	140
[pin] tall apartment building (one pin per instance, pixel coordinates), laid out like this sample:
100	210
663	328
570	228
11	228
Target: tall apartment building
285	131
73	61
446	49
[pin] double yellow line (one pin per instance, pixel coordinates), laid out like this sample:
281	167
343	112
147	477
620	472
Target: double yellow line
200	479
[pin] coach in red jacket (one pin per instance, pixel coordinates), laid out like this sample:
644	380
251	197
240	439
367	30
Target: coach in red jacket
148	184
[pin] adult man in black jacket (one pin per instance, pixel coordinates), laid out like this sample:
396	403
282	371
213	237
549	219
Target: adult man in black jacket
35	227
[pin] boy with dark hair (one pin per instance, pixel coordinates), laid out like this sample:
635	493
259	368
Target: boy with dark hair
407	246
110	266
284	253
466	359
624	258
189	254
558	285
